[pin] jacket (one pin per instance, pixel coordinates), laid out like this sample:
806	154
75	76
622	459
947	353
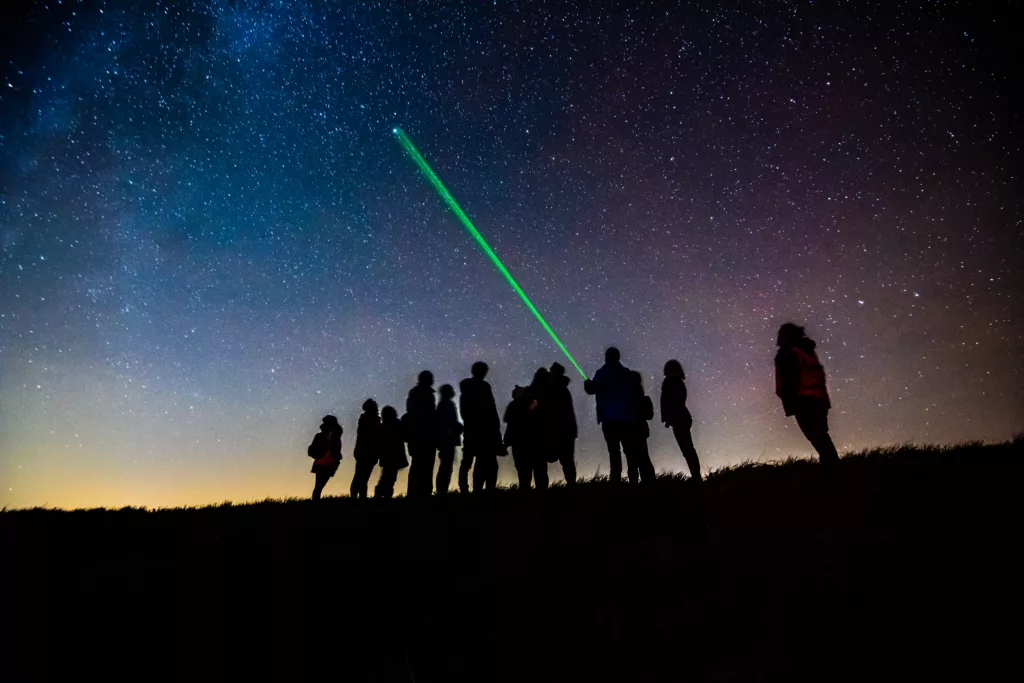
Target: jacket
482	426
613	386
799	376
674	412
449	429
367	434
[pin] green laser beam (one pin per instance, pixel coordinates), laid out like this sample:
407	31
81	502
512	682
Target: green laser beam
475	234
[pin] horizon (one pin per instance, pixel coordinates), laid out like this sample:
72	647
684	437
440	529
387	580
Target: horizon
209	237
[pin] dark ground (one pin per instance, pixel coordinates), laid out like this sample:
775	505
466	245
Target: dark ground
904	565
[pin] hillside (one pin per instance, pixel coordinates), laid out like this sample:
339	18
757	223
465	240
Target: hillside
902	564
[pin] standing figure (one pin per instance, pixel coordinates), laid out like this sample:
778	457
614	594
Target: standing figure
326	453
616	408
800	383
517	435
391	450
563	430
676	415
639	460
481	441
525	432
449	436
420	426
366	454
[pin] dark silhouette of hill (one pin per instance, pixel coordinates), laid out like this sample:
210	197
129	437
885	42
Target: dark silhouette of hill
899	564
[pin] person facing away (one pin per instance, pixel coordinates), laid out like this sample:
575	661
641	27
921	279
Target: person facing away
481	439
638	459
676	416
390	451
519	435
449	436
420	426
326	453
526	422
800	383
366	454
616	408
563	430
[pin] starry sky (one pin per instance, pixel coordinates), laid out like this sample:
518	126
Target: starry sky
210	237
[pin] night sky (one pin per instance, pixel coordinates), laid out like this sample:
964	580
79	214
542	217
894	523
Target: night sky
210	237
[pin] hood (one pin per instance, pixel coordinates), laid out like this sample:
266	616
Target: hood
806	345
564	381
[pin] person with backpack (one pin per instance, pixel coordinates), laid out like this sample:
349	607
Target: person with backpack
365	453
326	453
481	440
638	458
800	383
391	452
676	415
449	437
420	426
562	431
616	408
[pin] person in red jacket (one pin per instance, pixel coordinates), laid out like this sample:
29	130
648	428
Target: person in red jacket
326	453
800	383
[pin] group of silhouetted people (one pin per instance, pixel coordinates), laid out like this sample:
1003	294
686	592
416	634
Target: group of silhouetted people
541	428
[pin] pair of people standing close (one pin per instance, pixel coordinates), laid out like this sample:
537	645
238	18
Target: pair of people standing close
378	442
541	428
623	411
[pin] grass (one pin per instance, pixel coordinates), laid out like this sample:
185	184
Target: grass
901	564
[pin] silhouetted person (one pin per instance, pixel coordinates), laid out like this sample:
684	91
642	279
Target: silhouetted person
391	451
481	438
326	453
638	456
365	451
421	432
562	427
521	432
676	415
616	408
449	433
800	383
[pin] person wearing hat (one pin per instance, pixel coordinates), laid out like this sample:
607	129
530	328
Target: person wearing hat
326	453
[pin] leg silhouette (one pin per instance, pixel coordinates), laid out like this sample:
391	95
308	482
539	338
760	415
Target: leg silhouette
685	441
446	461
321	481
386	484
464	468
613	438
813	422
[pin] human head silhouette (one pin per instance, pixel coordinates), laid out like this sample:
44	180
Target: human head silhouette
557	369
369	406
540	377
426	378
674	368
328	423
447	391
388	414
637	378
612	355
479	369
789	334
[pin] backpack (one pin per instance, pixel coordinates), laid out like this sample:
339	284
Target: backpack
647	409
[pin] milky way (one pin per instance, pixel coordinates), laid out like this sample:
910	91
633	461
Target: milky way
210	237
